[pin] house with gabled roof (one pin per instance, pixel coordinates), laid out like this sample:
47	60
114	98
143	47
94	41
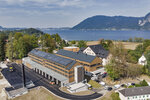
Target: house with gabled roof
142	60
99	51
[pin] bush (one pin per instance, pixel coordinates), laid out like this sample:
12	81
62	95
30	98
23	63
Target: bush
137	85
143	83
131	86
115	96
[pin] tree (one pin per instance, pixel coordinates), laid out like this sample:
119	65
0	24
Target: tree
106	43
10	48
118	66
130	40
115	96
134	55
143	83
81	44
21	48
146	43
20	44
73	42
2	46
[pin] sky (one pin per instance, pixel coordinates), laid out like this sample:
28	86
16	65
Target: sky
65	13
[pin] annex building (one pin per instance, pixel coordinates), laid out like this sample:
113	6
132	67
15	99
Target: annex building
137	93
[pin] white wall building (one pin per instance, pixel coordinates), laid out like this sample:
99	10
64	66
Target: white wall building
142	60
77	87
99	51
137	93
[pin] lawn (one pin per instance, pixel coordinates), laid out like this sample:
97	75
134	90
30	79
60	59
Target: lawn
94	84
38	94
127	45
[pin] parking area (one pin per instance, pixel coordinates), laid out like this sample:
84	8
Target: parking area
14	77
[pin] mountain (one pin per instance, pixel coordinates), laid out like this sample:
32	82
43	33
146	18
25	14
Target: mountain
24	31
115	23
30	31
1	27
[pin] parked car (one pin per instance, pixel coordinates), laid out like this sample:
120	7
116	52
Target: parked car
97	81
117	86
102	83
98	73
52	82
122	85
90	88
133	84
109	88
128	84
106	87
104	75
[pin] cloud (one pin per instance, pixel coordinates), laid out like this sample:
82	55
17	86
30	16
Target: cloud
60	3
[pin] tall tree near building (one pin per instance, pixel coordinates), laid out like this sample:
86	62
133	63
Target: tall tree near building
2	47
9	50
81	44
118	67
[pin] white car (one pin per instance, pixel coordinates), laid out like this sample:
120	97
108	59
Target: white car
106	87
117	86
128	84
102	83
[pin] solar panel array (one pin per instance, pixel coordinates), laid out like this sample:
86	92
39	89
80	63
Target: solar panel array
52	57
79	56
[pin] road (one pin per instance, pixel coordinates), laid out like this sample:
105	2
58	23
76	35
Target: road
38	80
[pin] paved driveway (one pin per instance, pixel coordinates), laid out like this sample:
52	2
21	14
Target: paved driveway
38	80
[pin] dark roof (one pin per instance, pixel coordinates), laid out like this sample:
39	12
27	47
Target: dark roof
99	51
82	49
76	55
54	58
135	91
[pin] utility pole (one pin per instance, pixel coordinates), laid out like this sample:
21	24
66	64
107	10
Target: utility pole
23	74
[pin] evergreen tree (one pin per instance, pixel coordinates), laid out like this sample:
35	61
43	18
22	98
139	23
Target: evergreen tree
2	47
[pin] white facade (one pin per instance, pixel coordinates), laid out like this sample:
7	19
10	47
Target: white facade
77	87
89	51
142	60
136	97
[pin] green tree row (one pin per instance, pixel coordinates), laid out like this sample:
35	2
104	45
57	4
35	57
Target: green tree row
20	44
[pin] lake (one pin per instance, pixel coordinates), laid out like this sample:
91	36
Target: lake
68	34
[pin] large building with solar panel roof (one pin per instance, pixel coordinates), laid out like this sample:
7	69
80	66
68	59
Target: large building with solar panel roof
90	63
52	67
61	68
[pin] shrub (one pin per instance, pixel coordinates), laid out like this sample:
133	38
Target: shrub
143	83
131	86
115	96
